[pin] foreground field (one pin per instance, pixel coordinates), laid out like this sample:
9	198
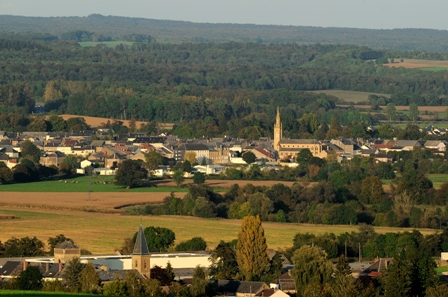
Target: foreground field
103	232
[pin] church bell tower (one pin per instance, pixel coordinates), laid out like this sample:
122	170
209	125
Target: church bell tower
277	131
140	255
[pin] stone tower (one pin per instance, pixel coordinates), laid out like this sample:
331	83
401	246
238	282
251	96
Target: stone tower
277	131
65	251
140	255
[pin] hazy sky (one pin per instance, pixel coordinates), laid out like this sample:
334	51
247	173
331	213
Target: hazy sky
376	14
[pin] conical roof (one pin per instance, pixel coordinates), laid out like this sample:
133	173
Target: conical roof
140	246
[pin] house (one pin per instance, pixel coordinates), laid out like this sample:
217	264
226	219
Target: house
263	154
377	268
85	163
285	283
408	145
201	152
10	152
210	169
240	288
52	158
436	145
347	145
114	160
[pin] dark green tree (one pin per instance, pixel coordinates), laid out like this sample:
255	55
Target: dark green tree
158	239
69	165
194	244
152	161
178	177
30	279
89	279
30	151
199	178
130	173
23	247
224	264
249	157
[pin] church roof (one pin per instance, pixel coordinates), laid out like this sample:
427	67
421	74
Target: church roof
140	246
67	244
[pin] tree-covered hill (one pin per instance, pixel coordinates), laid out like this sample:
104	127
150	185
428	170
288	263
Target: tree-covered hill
215	88
113	27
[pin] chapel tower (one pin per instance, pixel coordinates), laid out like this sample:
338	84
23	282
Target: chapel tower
140	255
277	131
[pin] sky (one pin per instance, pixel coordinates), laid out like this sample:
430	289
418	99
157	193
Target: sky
373	14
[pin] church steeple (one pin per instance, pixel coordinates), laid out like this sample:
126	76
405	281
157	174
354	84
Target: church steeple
277	131
140	246
140	254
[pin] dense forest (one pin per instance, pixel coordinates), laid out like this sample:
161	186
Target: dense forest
113	27
206	89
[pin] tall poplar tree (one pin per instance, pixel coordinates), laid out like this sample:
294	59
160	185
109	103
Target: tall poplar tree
251	252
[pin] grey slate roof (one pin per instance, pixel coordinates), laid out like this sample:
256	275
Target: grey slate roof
299	141
140	246
68	244
226	287
111	275
11	268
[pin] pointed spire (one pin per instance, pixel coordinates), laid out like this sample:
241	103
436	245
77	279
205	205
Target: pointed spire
277	120
140	246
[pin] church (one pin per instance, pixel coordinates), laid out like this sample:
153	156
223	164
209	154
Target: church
289	148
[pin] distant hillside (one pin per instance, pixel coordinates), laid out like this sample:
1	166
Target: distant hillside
178	32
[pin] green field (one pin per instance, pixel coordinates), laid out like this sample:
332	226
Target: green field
436	178
108	43
434	69
85	183
350	96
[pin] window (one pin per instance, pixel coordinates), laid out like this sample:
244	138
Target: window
136	263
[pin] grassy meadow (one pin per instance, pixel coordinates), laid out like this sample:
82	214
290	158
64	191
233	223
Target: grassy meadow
350	96
82	184
435	69
107	43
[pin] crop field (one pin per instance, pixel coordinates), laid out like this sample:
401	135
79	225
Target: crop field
91	194
400	108
103	232
96	122
418	63
107	43
350	96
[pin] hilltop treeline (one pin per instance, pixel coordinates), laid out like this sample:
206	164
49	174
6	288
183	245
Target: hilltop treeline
178	32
